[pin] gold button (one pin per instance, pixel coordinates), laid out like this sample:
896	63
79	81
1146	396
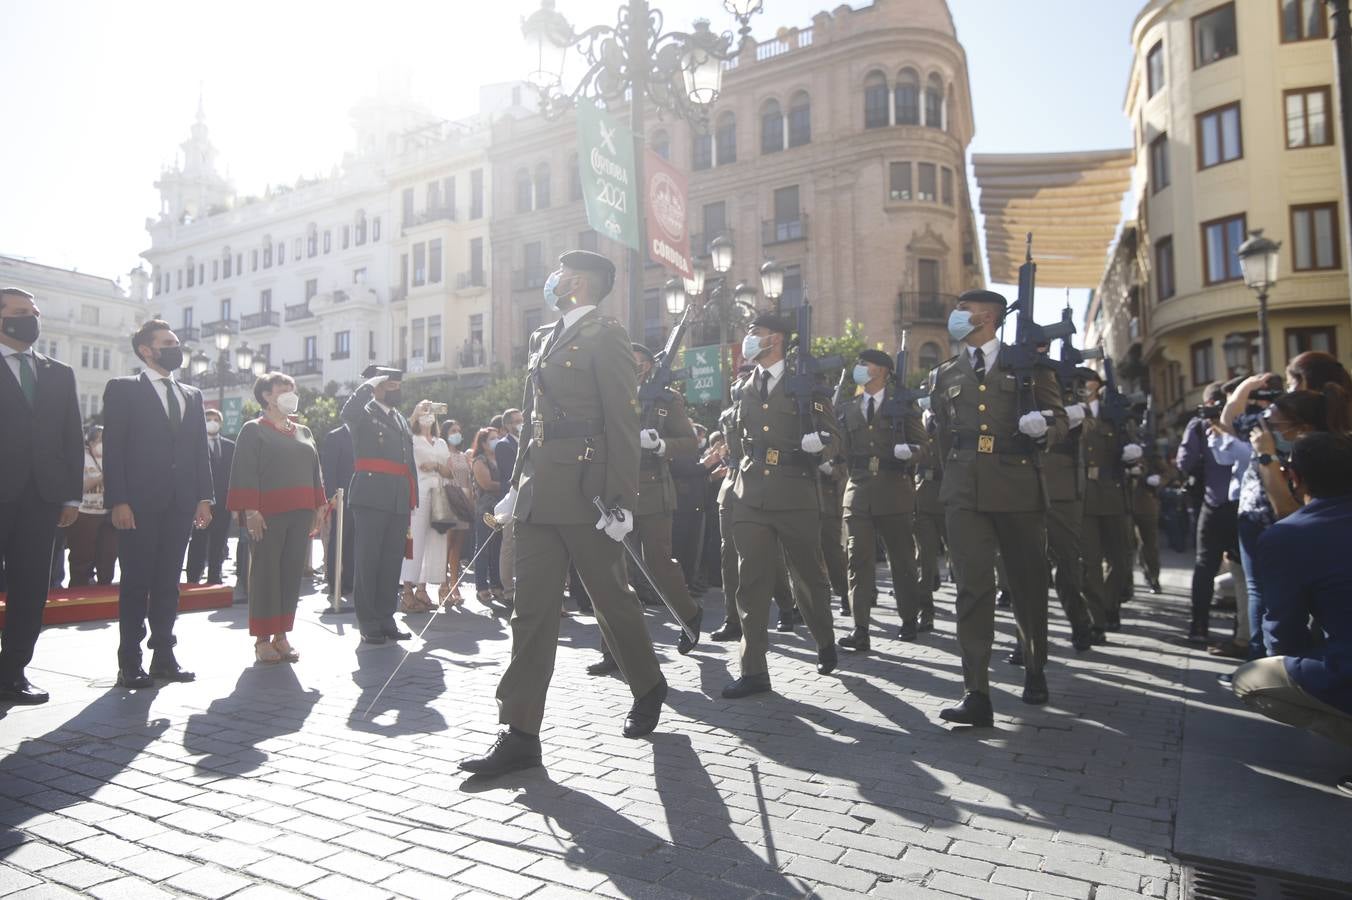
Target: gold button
579	459
568	364
765	428
765	406
765	472
981	407
543	364
984	426
981	387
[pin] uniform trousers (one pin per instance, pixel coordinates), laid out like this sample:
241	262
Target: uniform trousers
727	559
380	557
542	554
929	535
1021	538
27	532
1147	524
833	546
1103	539
898	539
1065	518
152	565
654	539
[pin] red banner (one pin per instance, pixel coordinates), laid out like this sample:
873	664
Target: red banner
665	206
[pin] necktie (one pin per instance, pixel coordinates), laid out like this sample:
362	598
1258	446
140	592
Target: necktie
869	413
175	411
765	385
553	336
27	381
979	364
215	449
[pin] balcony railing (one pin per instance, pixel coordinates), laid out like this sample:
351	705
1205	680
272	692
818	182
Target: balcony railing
266	319
925	306
211	329
470	279
398	293
779	231
303	367
471	357
528	279
188	334
440	214
299	311
340	297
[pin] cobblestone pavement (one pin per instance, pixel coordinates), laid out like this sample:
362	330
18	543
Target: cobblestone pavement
268	781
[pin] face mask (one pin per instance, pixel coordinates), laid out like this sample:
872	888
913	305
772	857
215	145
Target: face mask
515	430
860	375
493	443
454	438
169	358
96	450
213	427
393	398
1283	445
288	402
552	296
752	347
23	329
960	324
427	421
703	443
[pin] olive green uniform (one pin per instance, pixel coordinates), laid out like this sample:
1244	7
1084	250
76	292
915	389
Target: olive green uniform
994	499
657	500
929	519
833	527
1104	532
880	503
1063	468
580	441
1145	514
776	501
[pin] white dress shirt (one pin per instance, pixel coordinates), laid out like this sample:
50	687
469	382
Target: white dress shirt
990	350
776	373
12	360
877	401
155	379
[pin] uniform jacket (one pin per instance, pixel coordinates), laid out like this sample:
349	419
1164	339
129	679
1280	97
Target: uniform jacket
1105	492
929	478
1145	500
220	469
656	487
1063	466
382	435
145	463
972	415
336	459
585	377
879	483
42	443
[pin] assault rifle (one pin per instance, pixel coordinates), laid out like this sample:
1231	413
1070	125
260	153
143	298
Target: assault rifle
1025	355
804	386
662	376
899	404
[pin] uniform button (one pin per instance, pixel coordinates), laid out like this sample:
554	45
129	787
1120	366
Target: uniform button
766	472
544	364
568	364
981	387
765	406
765	428
984	426
981	407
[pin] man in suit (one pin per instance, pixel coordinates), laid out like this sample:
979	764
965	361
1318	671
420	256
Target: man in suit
207	546
580	443
157	483
505	455
337	460
41	482
382	497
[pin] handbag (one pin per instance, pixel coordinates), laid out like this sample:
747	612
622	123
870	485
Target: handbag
440	514
461	505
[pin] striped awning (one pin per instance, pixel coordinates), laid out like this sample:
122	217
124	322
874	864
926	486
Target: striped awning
1071	202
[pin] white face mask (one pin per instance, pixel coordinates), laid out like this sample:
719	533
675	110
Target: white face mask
288	403
97	449
454	438
493	442
753	346
213	427
427	421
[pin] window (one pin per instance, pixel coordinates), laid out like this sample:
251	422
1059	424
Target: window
702	151
239	263
586	240
347	236
202	273
1302	340
403	273
328	241
1159	163
448	194
725	140
228	265
946	182
899	181
359	275
84	356
375	229
772	127
225	310
476	330
800	120
1214	36
533	254
407	200
661	144
523	191
927	187
542	186
342	344
253	261
930	356
434	338
907	97
927	280
359	229
281	253
1202	370
1154	69
192	272
574	180
311	246
187	318
476	194
476	261
265	300
311	348
1314	231
1307	118
1218	136
419	335
792	297
715	224
788	217
370	345
1164	269
300	242
875	101
433	192
434	262
215	269
311	288
934	103
107	362
1303	20
1220	249
419	265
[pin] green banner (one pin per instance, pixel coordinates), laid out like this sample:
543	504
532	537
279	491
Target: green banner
605	158
705	384
233	414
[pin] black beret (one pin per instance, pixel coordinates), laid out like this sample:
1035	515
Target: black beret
373	371
1084	373
640	348
771	322
877	357
587	261
983	296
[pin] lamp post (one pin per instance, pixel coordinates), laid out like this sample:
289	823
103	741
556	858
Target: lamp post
245	363
1258	257
772	282
678	72
1341	35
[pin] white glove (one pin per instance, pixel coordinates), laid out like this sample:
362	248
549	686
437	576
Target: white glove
813	443
661	447
902	452
826	468
376	382
923	403
616	525
1034	424
506	507
648	439
1075	413
1153	480
1131	453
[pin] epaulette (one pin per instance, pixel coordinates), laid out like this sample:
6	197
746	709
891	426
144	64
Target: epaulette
610	321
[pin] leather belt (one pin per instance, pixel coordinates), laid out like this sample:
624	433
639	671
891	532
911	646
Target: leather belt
861	464
560	429
771	456
989	443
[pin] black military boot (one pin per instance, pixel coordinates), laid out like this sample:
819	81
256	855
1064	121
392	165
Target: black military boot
857	641
512	751
974	710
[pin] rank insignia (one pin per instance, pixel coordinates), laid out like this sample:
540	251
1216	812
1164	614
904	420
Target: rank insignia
985	443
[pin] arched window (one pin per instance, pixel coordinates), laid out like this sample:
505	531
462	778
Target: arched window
542	186
908	97
227	263
772	127
523	190
702	151
359	228
875	101
934	102
800	120
574	180
725	140
930	354
311	239
661	144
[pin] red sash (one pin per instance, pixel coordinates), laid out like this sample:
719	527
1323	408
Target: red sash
389	467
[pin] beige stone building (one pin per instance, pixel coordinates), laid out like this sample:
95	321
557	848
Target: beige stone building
837	149
1231	107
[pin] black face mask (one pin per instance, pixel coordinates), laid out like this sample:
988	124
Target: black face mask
169	358
23	329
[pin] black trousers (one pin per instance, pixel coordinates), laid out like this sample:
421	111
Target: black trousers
207	546
27	533
152	561
1217	534
331	556
379	559
687	540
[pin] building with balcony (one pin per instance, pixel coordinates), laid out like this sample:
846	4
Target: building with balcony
87	322
1231	105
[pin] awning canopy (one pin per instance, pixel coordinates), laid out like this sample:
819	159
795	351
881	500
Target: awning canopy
1071	202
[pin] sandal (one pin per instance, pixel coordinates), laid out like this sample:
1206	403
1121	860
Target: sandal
409	603
456	599
420	595
443	591
285	650
264	652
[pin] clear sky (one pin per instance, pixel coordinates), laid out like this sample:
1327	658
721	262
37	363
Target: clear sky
98	95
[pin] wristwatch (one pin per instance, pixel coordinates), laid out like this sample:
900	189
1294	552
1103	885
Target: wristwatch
1266	459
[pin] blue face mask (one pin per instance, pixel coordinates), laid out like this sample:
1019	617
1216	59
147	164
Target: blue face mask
960	324
752	347
861	375
1283	445
552	299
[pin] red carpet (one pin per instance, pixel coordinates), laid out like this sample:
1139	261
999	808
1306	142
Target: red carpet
93	604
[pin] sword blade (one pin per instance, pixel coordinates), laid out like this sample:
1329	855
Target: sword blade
637	560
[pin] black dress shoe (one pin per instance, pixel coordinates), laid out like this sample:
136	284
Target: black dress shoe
645	712
785	625
134	678
844	607
215	578
856	642
603	666
166	668
1035	688
21	693
1114	621
926	623
1197	639
908	632
1016	657
1154	584
394	634
974	710
683	644
511	752
731	630
1082	640
747	685
827	658
1002	600
1098	637
372	637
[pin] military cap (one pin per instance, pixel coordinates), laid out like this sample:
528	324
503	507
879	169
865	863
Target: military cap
771	322
375	371
587	261
877	357
640	348
983	296
1084	373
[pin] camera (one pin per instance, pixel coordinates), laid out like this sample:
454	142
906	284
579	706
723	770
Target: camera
1210	413
1268	394
439	409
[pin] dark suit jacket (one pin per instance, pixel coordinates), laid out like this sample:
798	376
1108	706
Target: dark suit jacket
336	459
220	473
44	442
384	435
146	464
505	455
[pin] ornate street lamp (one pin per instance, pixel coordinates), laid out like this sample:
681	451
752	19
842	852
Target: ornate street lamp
744	294
198	364
694	285
259	367
772	282
1236	347
244	357
548	36
223	339
1258	258
674	295
720	253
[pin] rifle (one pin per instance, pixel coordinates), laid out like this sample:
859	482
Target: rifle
662	376
842	387
803	386
899	404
